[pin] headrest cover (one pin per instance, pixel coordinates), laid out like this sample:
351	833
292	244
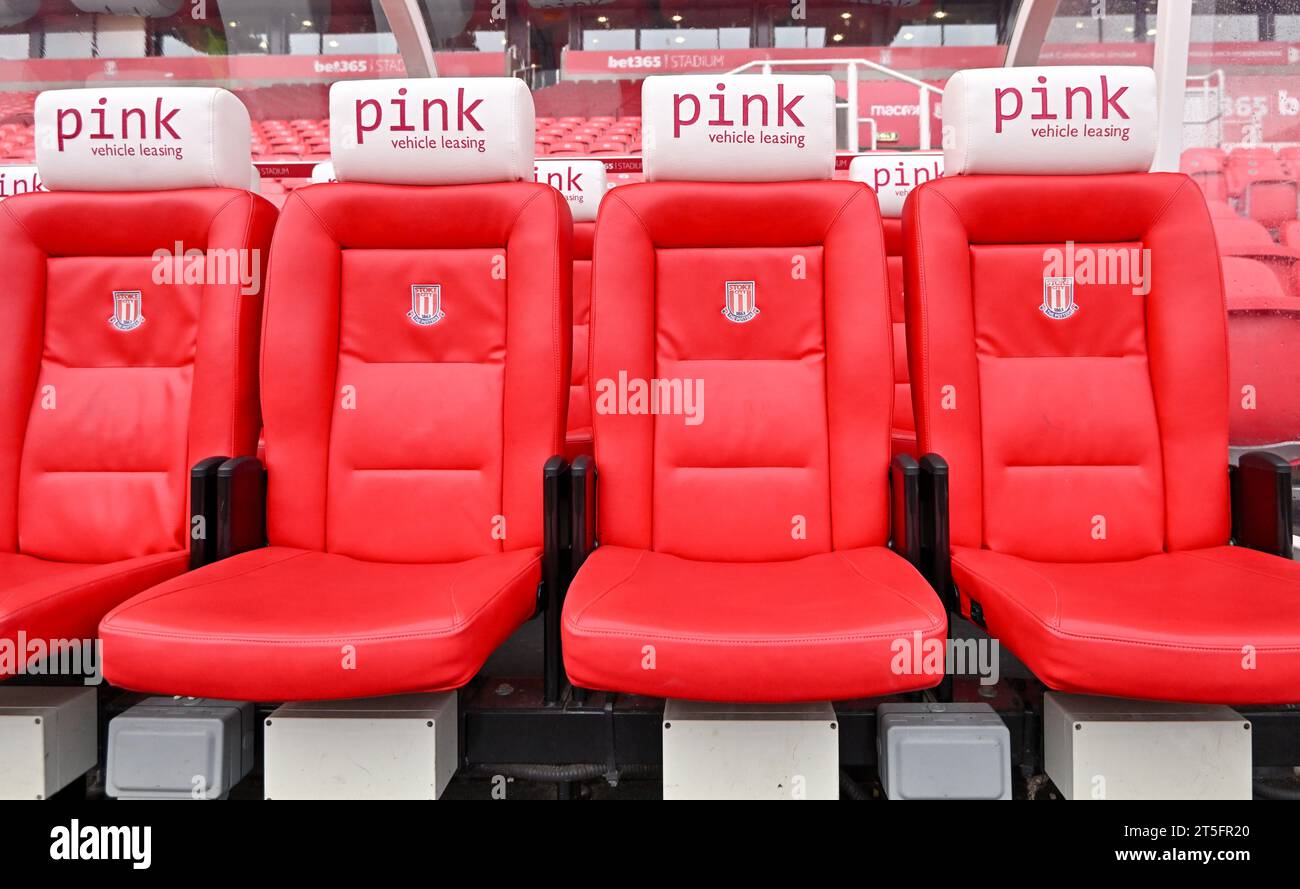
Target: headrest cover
18	179
323	172
893	175
581	182
1068	120
142	139
738	128
440	131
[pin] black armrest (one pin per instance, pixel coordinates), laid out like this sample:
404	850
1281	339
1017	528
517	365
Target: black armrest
583	511
936	554
550	595
905	503
203	511
1261	503
241	506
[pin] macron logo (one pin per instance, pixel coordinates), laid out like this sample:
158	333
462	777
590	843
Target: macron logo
103	843
1072	96
687	109
370	114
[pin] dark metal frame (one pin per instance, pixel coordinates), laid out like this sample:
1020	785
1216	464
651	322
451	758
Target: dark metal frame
1261	503
203	510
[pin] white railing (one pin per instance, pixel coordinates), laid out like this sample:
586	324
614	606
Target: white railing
850	104
1207	89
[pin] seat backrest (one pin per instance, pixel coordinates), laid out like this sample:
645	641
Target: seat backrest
1066	323
1237	232
741	355
1249	279
133	301
583	185
892	176
416	358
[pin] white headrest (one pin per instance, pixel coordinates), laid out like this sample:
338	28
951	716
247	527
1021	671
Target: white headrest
323	172
1069	120
19	179
581	182
738	128
893	175
440	131
254	180
142	139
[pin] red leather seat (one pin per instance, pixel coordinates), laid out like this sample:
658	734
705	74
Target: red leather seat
1086	426
273	623
415	377
1176	625
583	184
118	375
744	557
1263	325
904	427
893	175
578	440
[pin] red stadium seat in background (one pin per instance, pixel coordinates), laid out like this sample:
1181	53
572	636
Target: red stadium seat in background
583	185
1263	325
1205	167
1086	429
893	175
415	372
1249	279
746	546
1248	239
1220	209
121	371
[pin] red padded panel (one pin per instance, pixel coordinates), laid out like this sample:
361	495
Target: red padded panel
418	432
579	434
797	401
962	234
1095	450
764	429
452	421
728	631
101	475
271	624
1170	626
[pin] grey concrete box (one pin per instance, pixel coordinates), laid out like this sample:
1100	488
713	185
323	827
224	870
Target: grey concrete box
943	751
1112	748
398	747
179	748
48	738
750	751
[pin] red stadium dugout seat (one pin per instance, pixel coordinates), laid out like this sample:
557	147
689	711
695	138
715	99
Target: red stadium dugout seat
1205	166
122	367
415	371
583	185
1248	239
743	548
1085	424
1263	322
893	176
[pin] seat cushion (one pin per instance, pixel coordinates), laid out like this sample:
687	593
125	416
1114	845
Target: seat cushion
280	623
824	627
1216	625
65	600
